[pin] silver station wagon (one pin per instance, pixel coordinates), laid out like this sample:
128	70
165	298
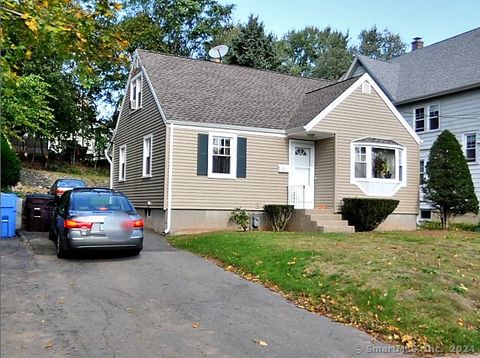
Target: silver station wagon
94	218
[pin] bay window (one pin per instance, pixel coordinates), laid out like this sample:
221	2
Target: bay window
378	166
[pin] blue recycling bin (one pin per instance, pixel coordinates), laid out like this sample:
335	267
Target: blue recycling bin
9	215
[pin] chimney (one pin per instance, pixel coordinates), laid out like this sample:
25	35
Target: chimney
417	43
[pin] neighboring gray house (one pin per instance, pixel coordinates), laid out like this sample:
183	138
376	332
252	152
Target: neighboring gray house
435	87
196	139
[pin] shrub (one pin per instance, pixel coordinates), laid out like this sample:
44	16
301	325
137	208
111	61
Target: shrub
241	218
278	215
367	214
449	186
11	165
437	225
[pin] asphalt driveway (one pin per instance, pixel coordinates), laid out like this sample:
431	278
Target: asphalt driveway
163	303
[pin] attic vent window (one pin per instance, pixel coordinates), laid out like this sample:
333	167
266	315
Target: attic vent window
366	88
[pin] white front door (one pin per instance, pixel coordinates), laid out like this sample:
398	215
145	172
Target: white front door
301	178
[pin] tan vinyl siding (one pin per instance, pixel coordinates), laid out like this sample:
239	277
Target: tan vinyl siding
366	115
133	126
263	184
325	172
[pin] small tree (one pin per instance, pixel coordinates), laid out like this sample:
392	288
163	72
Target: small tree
241	218
11	165
449	186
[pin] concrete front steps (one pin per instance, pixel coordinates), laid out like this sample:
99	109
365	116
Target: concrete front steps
318	220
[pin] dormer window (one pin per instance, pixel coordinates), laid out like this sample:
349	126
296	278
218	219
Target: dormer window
136	92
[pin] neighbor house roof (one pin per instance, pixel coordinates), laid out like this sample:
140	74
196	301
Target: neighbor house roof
444	67
203	91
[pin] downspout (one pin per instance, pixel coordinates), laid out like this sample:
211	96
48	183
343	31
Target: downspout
170	173
110	163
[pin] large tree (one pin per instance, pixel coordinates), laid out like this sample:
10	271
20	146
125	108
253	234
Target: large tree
449	187
181	27
253	47
380	45
57	57
314	52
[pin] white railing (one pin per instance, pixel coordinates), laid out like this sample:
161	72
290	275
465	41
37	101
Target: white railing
296	195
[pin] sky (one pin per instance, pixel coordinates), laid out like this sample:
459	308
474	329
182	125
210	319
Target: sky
433	20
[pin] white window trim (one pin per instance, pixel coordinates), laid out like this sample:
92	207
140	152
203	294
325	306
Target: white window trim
394	184
124	148
233	156
464	146
422	170
144	160
426	118
138	80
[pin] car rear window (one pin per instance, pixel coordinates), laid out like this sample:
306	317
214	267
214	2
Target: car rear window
94	201
71	183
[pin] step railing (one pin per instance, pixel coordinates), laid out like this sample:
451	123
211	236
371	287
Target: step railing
296	195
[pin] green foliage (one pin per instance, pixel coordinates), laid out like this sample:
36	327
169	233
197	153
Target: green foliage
180	27
437	225
241	218
24	104
11	165
449	186
314	52
380	45
253	47
367	214
278	215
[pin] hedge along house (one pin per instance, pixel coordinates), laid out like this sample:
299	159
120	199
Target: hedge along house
196	139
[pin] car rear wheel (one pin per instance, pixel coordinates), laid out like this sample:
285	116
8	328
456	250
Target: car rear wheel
135	252
61	252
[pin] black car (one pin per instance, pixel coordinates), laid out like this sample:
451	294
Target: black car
96	218
62	185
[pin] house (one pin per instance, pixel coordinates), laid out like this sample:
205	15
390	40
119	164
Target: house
196	139
435	87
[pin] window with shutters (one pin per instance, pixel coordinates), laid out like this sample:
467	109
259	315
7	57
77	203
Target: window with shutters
222	155
147	156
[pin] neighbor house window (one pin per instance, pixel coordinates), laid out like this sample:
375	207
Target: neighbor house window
360	162
122	163
147	155
419	119
422	172
433	118
136	92
425	214
222	156
427	118
470	145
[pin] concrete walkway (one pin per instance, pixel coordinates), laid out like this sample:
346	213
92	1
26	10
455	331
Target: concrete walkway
163	303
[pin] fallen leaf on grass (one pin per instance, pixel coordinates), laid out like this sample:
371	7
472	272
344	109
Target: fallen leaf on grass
62	301
195	325
49	344
130	310
260	342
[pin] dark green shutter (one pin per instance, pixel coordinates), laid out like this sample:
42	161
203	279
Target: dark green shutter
241	157
202	154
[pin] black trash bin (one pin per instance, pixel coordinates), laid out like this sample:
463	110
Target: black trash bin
37	212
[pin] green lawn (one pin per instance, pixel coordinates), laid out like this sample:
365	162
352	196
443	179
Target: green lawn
421	289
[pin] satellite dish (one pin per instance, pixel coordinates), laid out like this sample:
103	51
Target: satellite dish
218	52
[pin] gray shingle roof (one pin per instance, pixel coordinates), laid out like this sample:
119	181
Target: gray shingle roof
376	140
203	91
442	67
316	101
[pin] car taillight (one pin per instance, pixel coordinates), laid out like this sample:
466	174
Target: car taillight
133	224
75	224
59	191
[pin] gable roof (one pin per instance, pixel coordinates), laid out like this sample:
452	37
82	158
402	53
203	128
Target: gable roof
234	95
316	101
444	67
